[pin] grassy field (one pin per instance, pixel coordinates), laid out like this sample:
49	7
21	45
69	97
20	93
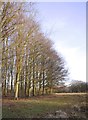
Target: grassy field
44	106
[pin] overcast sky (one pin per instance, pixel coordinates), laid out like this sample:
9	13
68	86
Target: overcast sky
66	24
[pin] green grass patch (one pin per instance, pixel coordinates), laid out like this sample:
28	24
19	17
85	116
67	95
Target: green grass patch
39	106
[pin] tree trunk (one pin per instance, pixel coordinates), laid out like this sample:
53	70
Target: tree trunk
43	83
17	87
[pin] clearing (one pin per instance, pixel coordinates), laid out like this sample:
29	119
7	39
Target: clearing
48	106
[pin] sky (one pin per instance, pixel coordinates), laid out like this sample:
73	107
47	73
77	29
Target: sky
65	24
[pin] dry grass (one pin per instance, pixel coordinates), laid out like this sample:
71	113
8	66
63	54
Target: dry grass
43	105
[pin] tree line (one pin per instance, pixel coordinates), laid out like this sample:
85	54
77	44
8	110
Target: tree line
29	63
78	86
75	86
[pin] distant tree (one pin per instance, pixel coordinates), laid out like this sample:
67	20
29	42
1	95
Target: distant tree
78	86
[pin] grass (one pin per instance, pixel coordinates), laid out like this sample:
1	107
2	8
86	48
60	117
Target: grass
40	106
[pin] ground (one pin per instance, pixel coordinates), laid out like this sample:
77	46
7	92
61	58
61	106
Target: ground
61	105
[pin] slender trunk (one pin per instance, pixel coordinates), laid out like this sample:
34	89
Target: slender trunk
16	93
40	84
33	88
11	82
43	83
25	87
21	87
17	87
29	82
39	87
33	78
8	84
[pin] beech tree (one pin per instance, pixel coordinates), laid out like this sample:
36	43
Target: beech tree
30	66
